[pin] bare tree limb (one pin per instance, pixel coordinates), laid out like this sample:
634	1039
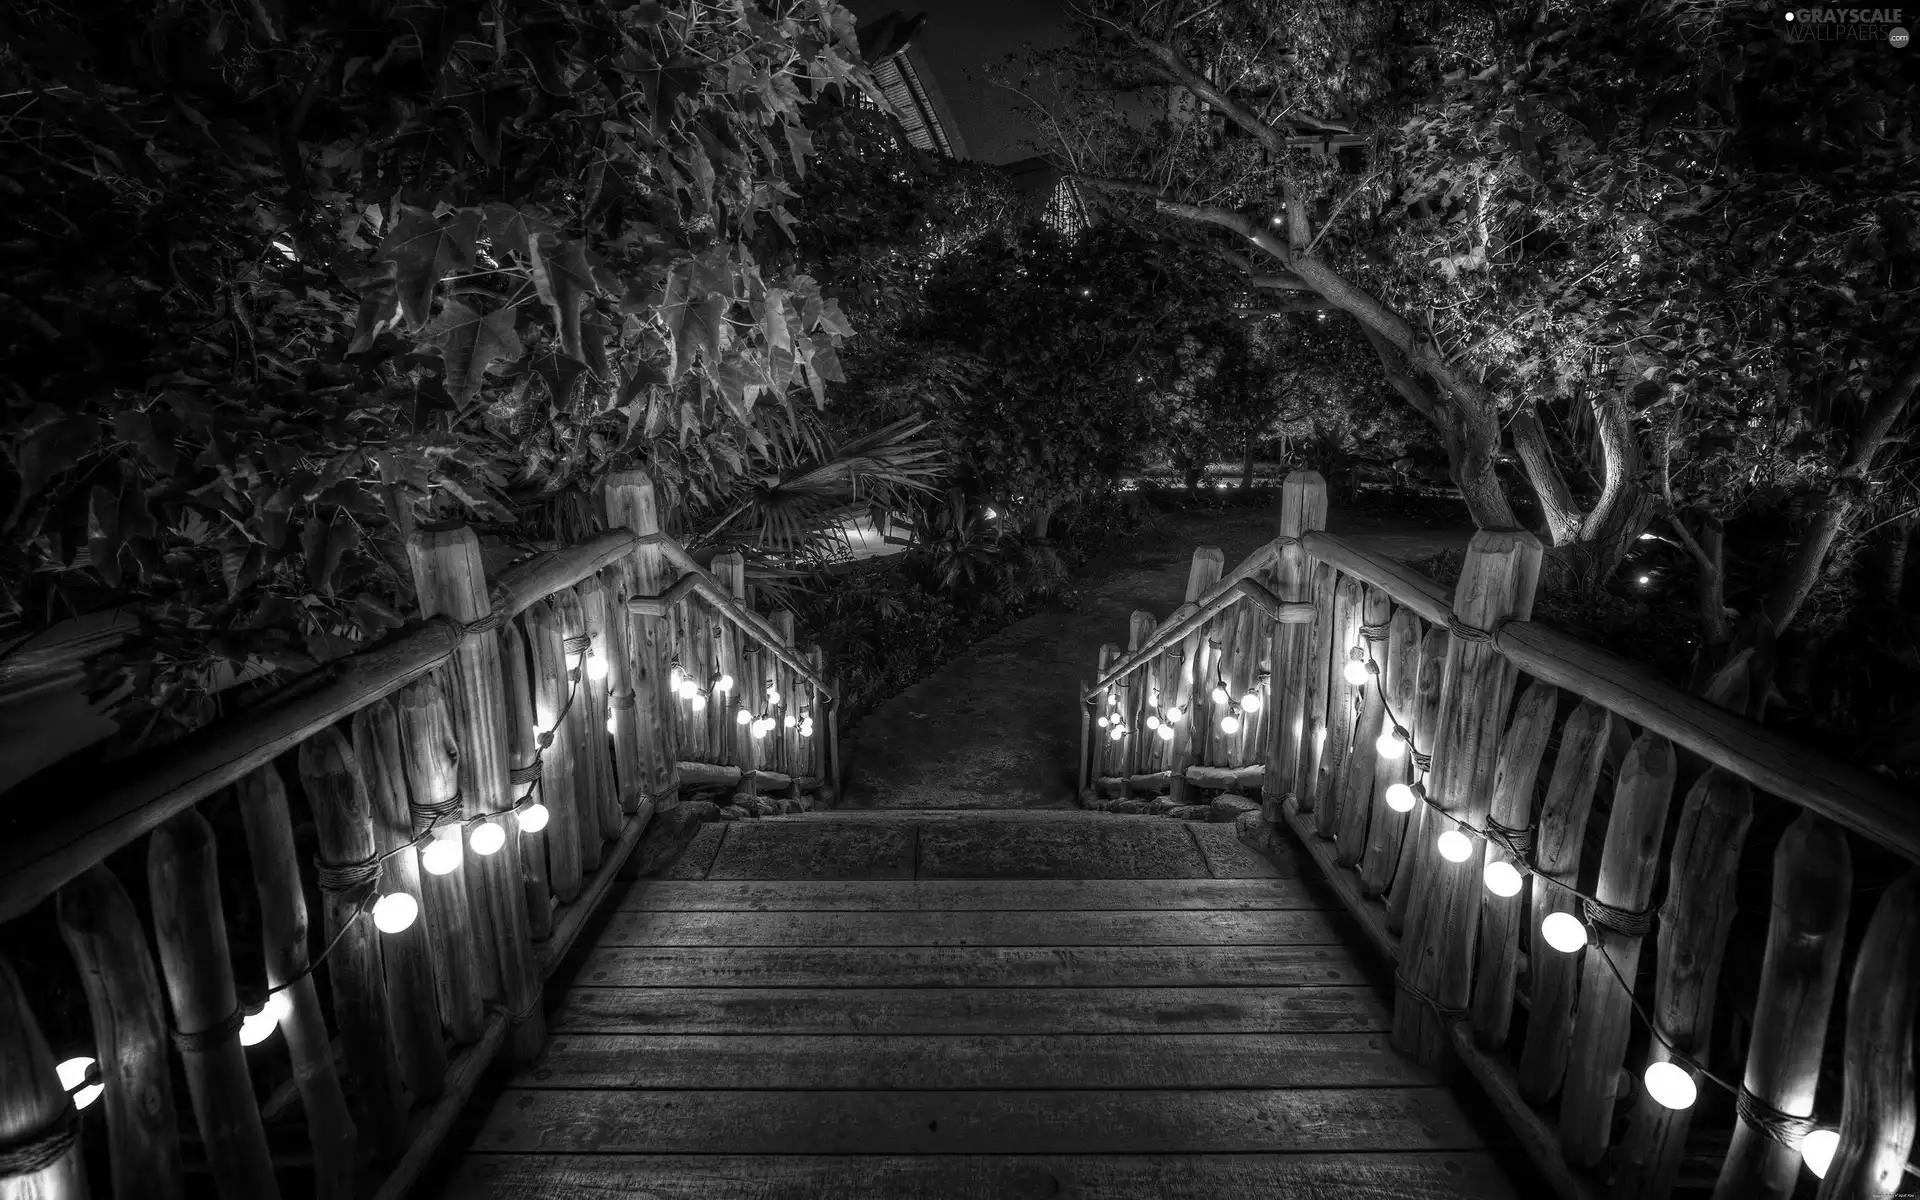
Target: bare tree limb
1563	516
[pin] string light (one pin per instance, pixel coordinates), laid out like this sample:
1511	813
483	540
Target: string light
1392	743
533	818
73	1074
1251	701
1101	720
1817	1150
1166	733
724	684
1153	721
1503	878
675	676
1229	723
743	717
1671	1085
1174	712
573	660
787	721
1400	798
395	912
1564	932
613	723
1454	846
596	665
806	727
443	855
1219	693
258	1026
487	838
1355	672
1117	732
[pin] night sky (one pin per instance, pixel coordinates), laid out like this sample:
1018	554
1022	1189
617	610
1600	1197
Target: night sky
963	37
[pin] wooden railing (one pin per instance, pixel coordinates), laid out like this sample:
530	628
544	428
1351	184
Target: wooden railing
1469	853
474	784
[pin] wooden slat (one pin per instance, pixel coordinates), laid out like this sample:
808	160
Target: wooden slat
1407	586
973	1010
975	929
970	966
952	895
1020	1122
1402	1176
970	1062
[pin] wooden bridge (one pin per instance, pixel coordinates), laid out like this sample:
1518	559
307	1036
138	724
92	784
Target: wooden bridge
1469	942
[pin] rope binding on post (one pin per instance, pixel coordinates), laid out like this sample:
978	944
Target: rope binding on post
35	1152
1624	921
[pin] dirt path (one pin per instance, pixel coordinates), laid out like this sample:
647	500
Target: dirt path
998	728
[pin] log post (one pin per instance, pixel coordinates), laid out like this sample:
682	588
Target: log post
565	833
449	578
35	1110
1318	668
1806	932
817	745
1239	646
1133	697
731	570
412	1013
1553	977
786	737
1103	711
463	975
1629	864
1385	830
631	505
586	743
1342	702
593	692
283	930
1501	917
101	929
343	822
620	723
1303	507
1189	694
524	730
1416	841
190	927
836	771
1691	941
1363	760
1443	917
1877	1115
1083	789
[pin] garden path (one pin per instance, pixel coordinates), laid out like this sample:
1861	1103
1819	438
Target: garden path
998	727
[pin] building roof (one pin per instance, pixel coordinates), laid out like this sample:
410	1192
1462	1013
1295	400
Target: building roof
908	84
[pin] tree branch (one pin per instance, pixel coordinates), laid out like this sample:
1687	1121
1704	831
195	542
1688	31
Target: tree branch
1563	516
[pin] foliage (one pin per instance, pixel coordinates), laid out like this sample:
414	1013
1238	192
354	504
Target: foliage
285	280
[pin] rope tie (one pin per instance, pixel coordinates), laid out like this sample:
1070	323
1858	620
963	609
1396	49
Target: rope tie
492	619
346	877
1285	540
620	700
1783	1127
1518	839
1447	1013
41	1149
1624	921
1375	633
515	1018
429	814
577	645
527	774
203	1041
1421	762
1473	633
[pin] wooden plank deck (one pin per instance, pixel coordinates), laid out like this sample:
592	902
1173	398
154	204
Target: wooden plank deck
977	1013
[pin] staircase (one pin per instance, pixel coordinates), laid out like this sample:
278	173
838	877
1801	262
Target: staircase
936	1004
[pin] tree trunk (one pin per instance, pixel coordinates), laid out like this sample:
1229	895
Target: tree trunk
1246	466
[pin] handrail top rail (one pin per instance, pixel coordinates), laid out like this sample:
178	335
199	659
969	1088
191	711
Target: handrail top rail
132	797
1221	594
1183	621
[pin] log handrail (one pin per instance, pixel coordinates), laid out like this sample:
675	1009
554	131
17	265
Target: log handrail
1230	592
699	582
138	795
1768	759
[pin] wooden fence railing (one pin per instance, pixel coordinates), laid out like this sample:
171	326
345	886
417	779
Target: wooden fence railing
474	786
1558	920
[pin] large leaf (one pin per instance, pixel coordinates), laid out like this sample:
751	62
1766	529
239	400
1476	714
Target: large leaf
51	449
423	250
470	342
564	280
513	230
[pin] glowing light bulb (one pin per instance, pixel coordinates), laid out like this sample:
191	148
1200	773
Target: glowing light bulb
675	677
1229	724
1564	932
1817	1150
1166	733
1113	698
443	855
1153	722
533	818
697	698
1101	721
1118	732
1219	694
73	1078
1671	1085
991	514
1252	701
1173	713
1391	744
685	689
258	1027
487	838
1455	846
613	723
724	685
395	912
758	729
806	727
1355	672
1400	797
787	721
743	717
596	665
1503	878
773	698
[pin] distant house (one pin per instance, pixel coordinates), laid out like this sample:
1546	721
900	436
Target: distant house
1048	192
908	85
